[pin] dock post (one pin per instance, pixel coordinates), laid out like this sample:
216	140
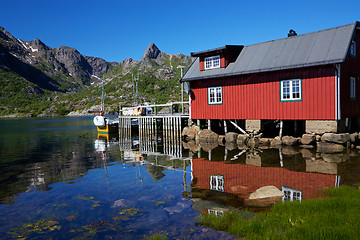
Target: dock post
225	127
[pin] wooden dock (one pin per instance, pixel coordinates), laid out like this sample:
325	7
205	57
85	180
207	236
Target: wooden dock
161	121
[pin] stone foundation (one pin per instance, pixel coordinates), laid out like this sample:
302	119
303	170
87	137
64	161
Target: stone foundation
252	125
322	126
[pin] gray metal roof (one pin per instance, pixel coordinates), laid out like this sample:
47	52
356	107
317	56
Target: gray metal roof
328	46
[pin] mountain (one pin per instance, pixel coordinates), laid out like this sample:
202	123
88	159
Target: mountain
37	80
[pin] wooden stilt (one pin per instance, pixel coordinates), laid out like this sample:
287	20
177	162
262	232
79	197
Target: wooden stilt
225	127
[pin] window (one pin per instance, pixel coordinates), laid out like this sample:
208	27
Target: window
212	62
215	95
352	87
218	213
217	183
353	49
291	90
291	194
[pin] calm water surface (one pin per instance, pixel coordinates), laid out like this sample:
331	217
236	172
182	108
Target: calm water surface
60	180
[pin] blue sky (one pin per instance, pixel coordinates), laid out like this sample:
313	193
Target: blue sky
117	29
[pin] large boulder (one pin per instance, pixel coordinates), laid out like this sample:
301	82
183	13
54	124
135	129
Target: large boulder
230	146
341	138
189	133
253	142
264	141
221	140
241	140
208	146
206	135
264	197
231	137
266	192
276	142
354	137
290	141
191	145
308	139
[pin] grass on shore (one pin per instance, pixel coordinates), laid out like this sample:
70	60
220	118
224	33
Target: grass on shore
335	217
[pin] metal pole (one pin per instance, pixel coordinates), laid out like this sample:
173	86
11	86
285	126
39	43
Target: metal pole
182	89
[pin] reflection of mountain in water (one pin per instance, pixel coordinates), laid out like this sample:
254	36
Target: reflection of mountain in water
43	160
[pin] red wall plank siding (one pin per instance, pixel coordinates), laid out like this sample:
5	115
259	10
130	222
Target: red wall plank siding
244	179
257	96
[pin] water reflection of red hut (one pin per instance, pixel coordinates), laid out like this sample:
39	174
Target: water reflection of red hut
244	179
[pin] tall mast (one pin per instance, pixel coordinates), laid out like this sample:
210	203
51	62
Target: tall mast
103	97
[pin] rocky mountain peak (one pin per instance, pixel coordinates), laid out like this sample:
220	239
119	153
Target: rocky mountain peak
4	34
152	55
39	45
152	52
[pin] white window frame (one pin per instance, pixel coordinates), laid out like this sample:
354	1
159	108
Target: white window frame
352	87
212	62
291	194
217	183
293	88
215	95
353	48
218	213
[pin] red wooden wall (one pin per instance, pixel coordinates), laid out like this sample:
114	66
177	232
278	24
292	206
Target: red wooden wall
257	96
245	179
351	68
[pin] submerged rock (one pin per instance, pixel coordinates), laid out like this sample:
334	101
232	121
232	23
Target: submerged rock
121	203
179	207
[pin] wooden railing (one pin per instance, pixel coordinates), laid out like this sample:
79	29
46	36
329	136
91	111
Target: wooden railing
175	107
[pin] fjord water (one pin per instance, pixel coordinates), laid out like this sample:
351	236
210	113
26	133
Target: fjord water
60	180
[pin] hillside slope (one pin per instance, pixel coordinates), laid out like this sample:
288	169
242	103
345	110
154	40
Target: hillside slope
37	80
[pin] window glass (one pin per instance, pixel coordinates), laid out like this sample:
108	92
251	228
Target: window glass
291	194
217	183
215	95
353	48
290	90
212	62
352	87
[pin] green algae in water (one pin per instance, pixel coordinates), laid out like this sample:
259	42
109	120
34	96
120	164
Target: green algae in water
42	226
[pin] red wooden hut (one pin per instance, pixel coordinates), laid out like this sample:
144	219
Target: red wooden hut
313	78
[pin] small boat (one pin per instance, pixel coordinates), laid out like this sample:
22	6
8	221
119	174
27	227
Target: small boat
103	124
